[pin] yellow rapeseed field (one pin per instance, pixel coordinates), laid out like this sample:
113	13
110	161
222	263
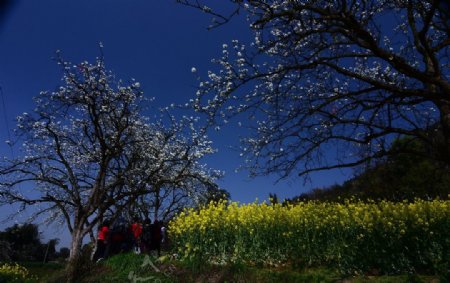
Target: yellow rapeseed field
355	236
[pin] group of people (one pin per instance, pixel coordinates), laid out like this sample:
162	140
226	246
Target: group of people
125	237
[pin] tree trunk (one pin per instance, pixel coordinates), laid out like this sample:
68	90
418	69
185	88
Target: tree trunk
75	258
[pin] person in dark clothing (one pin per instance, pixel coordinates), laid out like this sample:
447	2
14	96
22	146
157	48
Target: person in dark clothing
155	243
118	237
146	236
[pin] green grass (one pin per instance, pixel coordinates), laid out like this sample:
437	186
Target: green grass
42	270
259	274
127	267
246	274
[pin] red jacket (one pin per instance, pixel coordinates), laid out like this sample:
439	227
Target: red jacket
136	228
103	233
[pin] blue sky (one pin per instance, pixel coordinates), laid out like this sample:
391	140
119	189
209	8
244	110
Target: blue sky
156	42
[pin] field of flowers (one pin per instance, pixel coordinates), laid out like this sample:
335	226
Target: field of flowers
354	236
14	273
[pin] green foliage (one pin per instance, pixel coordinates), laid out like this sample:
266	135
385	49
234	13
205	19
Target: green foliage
63	254
5	250
405	175
23	243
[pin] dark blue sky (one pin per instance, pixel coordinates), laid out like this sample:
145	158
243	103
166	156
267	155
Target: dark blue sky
157	42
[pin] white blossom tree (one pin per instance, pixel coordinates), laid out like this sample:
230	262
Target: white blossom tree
169	170
320	75
88	150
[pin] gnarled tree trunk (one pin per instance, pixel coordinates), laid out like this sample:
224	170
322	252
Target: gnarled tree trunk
75	258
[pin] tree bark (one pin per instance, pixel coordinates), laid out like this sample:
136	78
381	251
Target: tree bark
75	258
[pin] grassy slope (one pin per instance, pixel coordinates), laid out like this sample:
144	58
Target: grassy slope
138	268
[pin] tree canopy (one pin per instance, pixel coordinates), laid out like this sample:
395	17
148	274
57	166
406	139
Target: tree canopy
23	243
330	84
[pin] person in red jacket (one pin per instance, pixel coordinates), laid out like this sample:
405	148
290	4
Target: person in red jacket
102	241
136	229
